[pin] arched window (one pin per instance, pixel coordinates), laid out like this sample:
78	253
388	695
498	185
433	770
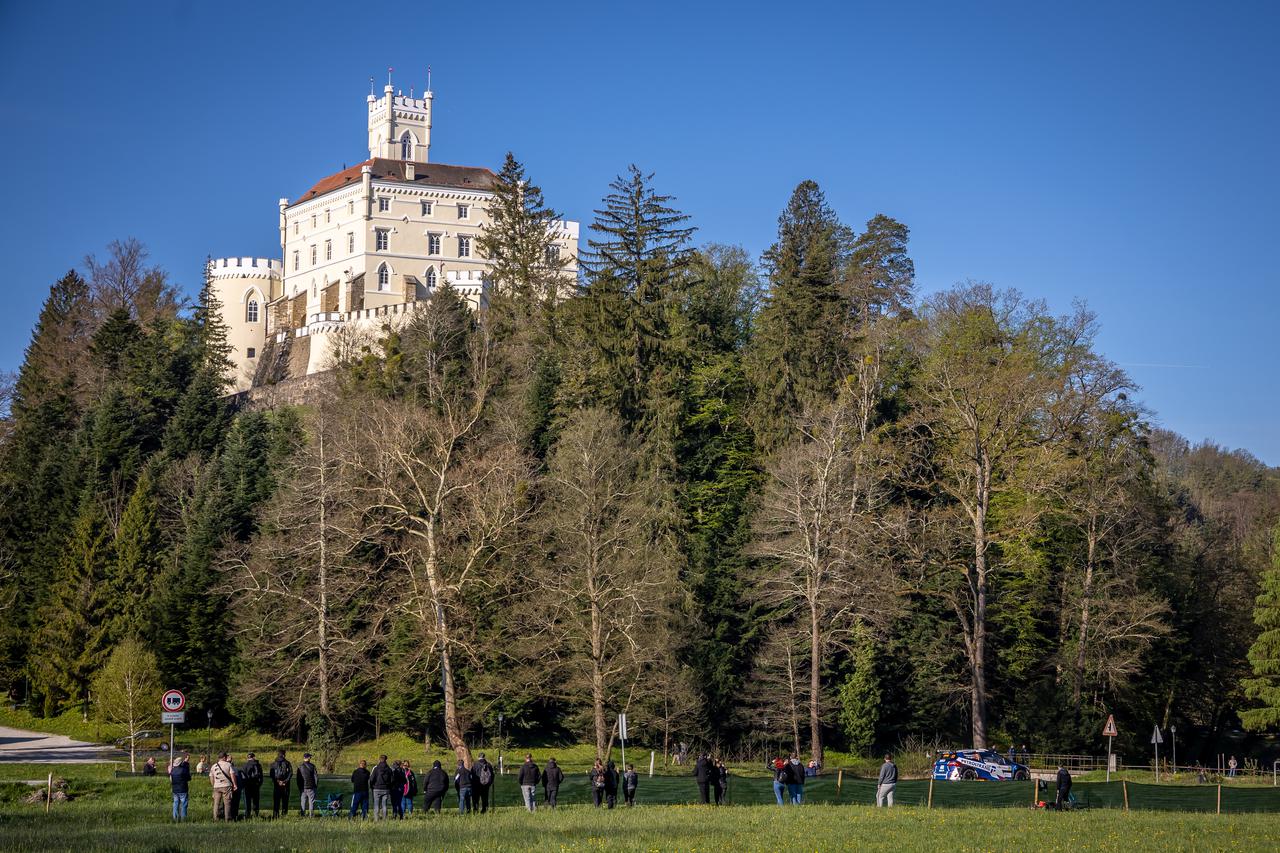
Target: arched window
251	311
406	146
431	278
384	278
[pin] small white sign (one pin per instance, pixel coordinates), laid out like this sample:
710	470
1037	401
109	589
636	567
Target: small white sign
176	718
622	726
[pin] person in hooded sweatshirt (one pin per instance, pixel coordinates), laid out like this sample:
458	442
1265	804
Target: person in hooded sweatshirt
630	781
434	787
611	783
462	782
795	785
482	776
380	780
398	780
528	781
552	776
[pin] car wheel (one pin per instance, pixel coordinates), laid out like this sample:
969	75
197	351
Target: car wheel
1020	776
969	774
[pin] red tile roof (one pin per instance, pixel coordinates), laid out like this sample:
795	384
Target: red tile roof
430	174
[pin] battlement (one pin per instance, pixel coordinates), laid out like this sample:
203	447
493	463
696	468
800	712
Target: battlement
245	267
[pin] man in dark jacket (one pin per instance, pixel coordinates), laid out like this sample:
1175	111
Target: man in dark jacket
720	781
397	789
611	783
481	782
630	781
360	789
252	771
552	776
528	781
795	785
1064	788
380	780
434	787
180	781
703	770
462	782
237	792
308	784
281	779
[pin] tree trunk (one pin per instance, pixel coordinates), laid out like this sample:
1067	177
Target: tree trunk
815	687
452	726
1077	684
978	663
597	675
322	629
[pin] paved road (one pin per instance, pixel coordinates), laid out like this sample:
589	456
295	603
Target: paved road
19	745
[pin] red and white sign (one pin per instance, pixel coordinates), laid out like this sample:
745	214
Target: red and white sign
1109	730
173	700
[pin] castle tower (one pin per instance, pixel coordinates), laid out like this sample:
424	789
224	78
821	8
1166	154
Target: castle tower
399	126
244	286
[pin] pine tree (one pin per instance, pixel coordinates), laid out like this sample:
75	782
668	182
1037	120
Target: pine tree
860	696
884	274
520	241
1264	654
796	357
138	562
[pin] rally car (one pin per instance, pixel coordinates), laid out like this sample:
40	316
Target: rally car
984	764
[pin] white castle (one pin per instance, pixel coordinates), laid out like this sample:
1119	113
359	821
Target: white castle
361	249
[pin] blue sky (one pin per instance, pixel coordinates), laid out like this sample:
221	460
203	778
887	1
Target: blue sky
1123	154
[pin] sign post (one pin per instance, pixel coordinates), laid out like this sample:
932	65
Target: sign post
622	736
172	703
1156	740
1109	732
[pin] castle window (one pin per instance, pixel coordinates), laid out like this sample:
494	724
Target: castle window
326	217
426	208
384	203
406	146
295	228
313	287
464	211
433	244
351	207
328	250
464	247
553	254
313	220
351	242
295	260
251	352
384	278
313	254
251	311
380	240
431	278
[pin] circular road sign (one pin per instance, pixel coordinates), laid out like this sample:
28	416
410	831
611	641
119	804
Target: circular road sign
173	700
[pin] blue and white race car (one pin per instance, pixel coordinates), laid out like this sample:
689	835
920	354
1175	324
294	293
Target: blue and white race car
983	764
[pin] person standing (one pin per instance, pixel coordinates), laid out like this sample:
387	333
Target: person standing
630	781
308	784
780	776
252	772
380	780
703	770
595	777
1064	788
281	772
528	781
481	782
149	768
611	783
397	789
179	782
552	776
1231	767
360	790
795	785
410	788
434	787
887	783
202	766
222	776
462	782
237	791
722	782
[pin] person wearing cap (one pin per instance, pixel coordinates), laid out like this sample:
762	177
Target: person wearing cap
308	784
887	783
179	782
281	780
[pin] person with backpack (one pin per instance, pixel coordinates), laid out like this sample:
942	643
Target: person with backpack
703	770
552	776
595	777
481	782
528	781
398	780
252	772
179	782
780	776
795	784
434	787
611	783
410	788
462	782
630	781
360	790
222	776
308	784
380	782
281	779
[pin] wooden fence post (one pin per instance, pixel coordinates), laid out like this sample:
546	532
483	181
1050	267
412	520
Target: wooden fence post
930	803
48	794
1219	798
1124	785
839	783
1035	793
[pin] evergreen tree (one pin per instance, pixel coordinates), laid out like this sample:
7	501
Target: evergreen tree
860	696
798	346
138	562
520	241
1264	654
884	275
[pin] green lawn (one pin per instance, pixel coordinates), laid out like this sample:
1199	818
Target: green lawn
132	814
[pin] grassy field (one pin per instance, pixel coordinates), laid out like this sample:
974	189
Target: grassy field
132	815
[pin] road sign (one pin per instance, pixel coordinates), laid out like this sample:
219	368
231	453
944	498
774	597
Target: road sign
1109	730
622	726
170	718
1155	736
173	700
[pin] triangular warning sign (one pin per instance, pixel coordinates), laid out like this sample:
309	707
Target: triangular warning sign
1109	730
1156	736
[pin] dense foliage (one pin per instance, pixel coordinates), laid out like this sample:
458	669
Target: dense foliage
756	505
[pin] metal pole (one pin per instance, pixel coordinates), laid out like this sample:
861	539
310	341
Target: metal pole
1157	746
651	764
1173	738
1108	758
171	746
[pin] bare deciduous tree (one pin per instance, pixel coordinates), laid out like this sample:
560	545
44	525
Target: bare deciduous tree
125	280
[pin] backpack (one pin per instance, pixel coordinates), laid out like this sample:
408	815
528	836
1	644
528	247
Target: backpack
486	774
253	772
